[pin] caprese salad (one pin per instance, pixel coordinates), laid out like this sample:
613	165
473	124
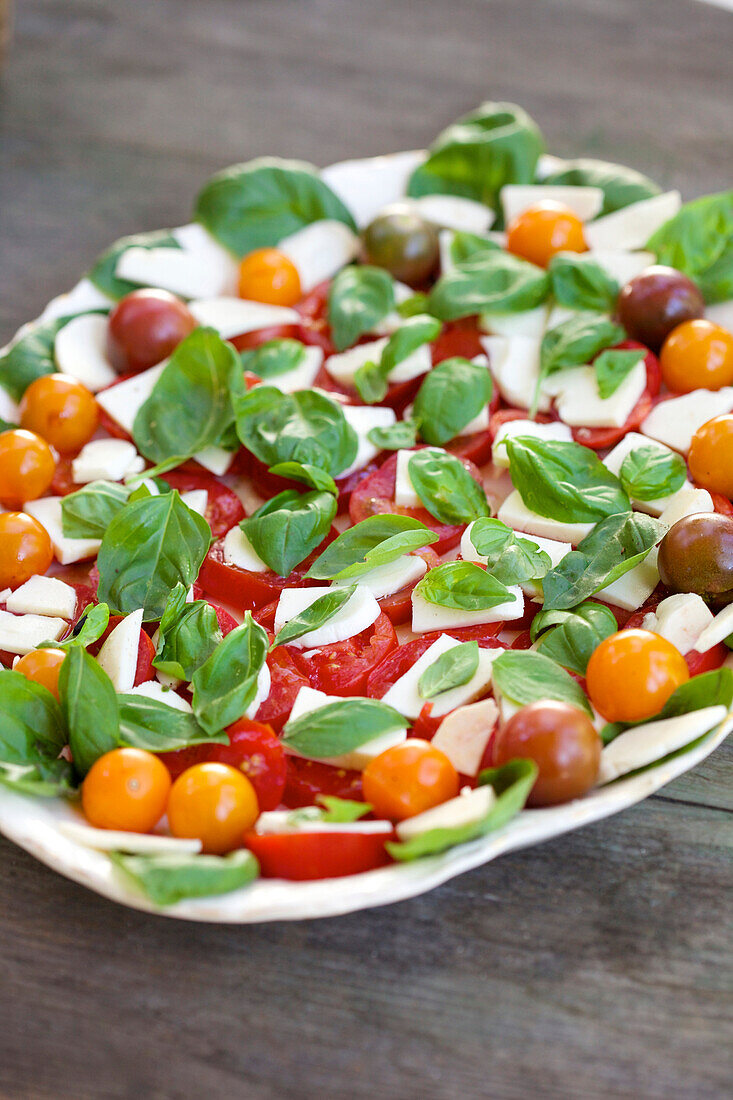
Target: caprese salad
368	508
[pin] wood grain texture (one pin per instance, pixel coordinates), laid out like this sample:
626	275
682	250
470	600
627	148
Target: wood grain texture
596	966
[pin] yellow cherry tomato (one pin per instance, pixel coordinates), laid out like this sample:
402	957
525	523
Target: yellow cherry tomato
544	229
62	411
711	455
213	803
27	467
409	778
632	674
126	789
43	667
25	549
697	355
269	276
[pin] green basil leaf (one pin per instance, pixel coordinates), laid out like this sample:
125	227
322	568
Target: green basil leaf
564	481
373	541
172	877
454	392
6	426
445	487
509	558
157	727
454	667
44	779
359	298
511	782
226	683
476	156
525	677
257	204
89	706
32	734
647	473
463	585
699	242
188	635
371	379
580	283
416	303
340	727
146	550
301	427
370	382
87	513
319	612
339	811
577	341
467	246
286	529
571	637
103	274
620	185
494	281
307	474
612	367
31	356
395	437
89	628
613	547
273	358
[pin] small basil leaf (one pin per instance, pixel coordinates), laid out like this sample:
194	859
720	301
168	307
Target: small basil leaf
698	241
370	382
89	705
340	727
452	395
577	341
31	356
396	436
648	473
452	669
188	635
467	246
462	585
319	612
104	273
620	185
494	281
580	283
372	542
87	513
157	727
512	560
371	379
337	811
612	367
42	779
286	529
446	488
571	637
416	303
32	734
172	877
89	628
309	475
360	297
564	481
226	684
273	358
525	677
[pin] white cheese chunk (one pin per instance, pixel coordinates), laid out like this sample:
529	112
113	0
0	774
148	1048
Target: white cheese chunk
633	588
264	681
236	316
632	226
579	403
467	808
362	418
344	365
118	655
385	580
82	297
238	551
675	421
301	377
43	596
394	320
515	365
642	745
681	619
428	616
512	428
552	547
464	734
454	212
620	265
358	613
114	840
405	697
123	401
174	269
197	500
529	322
319	250
717	631
720	313
515	513
277	822
80	349
585	202
366	186
5	594
308	700
614	461
106	460
215	459
9	411
404	492
222	269
22	633
47	510
152	689
687	501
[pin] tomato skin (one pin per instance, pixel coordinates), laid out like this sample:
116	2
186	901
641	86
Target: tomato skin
268	485
544	229
707	662
249	340
26	467
125	789
697	355
306	779
305	856
631	675
62	411
213	803
144	670
722	504
458	338
224	509
710	458
408	779
43	667
268	275
145	327
25	549
286	680
401	660
343	668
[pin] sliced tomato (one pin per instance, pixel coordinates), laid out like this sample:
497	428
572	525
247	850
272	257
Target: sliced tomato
145	651
505	416
343	668
308	778
286	680
707	662
475	447
226	622
401	660
223	507
599	439
398	606
460	339
315	329
249	340
268	485
722	504
303	856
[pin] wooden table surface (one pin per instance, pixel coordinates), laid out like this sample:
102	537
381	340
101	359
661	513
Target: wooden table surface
595	966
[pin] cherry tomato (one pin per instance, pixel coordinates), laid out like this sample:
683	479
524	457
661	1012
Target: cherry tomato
711	455
60	410
408	779
214	803
125	789
697	355
563	743
632	674
307	779
267	275
223	507
145	327
655	301
25	549
43	667
404	244
544	229
304	856
696	555
26	467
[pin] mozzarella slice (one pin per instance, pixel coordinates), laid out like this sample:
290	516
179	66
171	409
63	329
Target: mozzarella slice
362	419
81	298
512	428
385	580
529	322
579	403
358	613
632	226
80	349
515	513
585	202
633	588
277	822
151	689
464	734
428	616
222	269
118	655
235	316
47	510
366	186
614	461
9	411
123	401
43	596
717	631
642	745
215	459
301	377
238	551
264	681
687	501
393	319
620	265
319	250
343	366
22	633
405	697
404	492
106	460
308	700
720	313
469	807
5	594
554	549
681	619
114	840
454	212
174	269
515	365
675	421
197	500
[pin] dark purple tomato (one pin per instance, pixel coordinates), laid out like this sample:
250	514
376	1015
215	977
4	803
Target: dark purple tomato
655	301
696	555
404	244
145	327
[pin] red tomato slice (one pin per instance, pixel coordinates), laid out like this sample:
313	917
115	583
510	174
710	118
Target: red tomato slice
475	448
344	667
223	508
458	339
401	660
706	662
599	439
505	416
722	504
286	680
145	650
305	856
249	340
308	778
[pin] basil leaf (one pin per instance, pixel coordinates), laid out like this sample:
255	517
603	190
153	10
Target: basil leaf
340	727
371	379
564	481
579	283
416	303
286	529
188	635
454	667
87	513
463	585
301	427
157	727
309	475
89	706
613	547
372	542
89	628
31	356
512	783
612	367
511	559
620	185
103	274
6	426
226	684
149	547
476	156
647	473
452	395
273	358
698	241
338	811
575	342
467	246
257	204
525	677
172	877
395	437
43	779
319	612
32	734
445	487
571	637
359	298
494	281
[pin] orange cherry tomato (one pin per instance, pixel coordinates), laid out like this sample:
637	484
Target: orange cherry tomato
214	803
632	674
27	467
43	667
61	410
711	455
126	789
409	778
269	276
25	549
697	355
544	229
